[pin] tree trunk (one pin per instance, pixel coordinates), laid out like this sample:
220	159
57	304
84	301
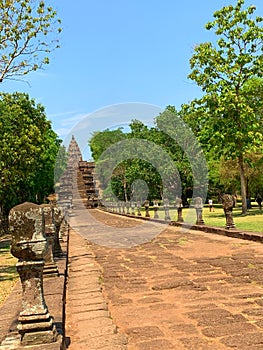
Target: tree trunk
243	185
3	221
125	190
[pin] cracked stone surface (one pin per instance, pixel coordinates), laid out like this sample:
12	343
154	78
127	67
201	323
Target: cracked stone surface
181	290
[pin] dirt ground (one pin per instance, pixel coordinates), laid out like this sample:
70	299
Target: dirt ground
184	290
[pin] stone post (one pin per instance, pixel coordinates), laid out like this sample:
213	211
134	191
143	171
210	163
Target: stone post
132	208
179	208
138	204
146	206
64	228
155	208
198	204
123	207
127	208
228	205
50	268
57	218
29	245
166	206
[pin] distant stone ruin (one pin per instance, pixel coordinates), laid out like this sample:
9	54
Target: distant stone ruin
79	175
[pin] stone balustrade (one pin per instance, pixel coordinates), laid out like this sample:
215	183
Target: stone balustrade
29	245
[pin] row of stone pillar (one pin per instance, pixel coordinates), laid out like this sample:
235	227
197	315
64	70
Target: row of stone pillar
35	232
133	207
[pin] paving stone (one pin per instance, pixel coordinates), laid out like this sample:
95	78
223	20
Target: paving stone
150	300
143	333
160	344
183	328
164	295
229	329
197	343
244	341
216	316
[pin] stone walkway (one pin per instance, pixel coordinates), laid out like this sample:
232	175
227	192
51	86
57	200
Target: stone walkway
88	322
181	290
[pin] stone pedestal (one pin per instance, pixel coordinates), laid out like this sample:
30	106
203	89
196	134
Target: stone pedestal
133	208
50	267
228	205
198	203
179	208
138	204
64	228
166	206
146	206
180	214
35	324
29	245
123	208
155	208
57	216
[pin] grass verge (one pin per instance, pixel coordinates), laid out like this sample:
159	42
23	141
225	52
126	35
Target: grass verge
253	221
8	273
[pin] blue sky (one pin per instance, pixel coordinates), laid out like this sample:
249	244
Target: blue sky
120	51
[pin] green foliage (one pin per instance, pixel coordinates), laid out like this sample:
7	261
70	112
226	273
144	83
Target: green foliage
28	151
28	33
236	58
101	140
60	163
184	150
228	120
140	162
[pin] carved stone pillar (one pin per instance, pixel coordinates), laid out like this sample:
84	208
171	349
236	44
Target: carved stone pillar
132	208
57	218
228	205
166	206
146	206
179	208
198	203
123	207
155	208
29	245
138	204
50	268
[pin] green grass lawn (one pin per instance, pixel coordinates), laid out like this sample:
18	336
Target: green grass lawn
253	221
8	272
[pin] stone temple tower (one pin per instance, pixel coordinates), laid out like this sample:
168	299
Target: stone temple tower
78	178
74	153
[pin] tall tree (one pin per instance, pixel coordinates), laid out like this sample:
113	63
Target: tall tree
28	33
222	71
27	153
101	140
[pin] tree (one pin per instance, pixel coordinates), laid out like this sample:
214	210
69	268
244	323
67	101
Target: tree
28	151
185	150
101	140
230	122
45	177
28	33
140	158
